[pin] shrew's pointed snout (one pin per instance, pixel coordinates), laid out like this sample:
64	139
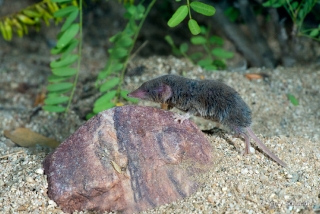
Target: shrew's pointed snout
137	94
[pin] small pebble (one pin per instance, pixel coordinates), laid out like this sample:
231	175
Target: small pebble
29	179
211	199
244	171
252	150
240	188
51	202
40	171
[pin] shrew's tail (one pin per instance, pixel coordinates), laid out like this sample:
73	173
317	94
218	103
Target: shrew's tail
264	148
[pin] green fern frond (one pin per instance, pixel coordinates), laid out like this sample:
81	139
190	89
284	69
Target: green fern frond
64	73
110	79
20	22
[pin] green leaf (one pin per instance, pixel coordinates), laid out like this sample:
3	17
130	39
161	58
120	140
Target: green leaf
117	67
54	78
314	33
105	98
70	47
61	92
53	94
198	40
56	100
115	37
56	50
294	5
169	40
114	66
175	50
119	53
59	86
301	14
25	19
141	8
219	64
131	28
221	53
232	13
124	93
184	47
66	50
140	12
205	62
293	100
194	27
203	30
65	11
196	56
202	8
104	102
63	62
125	41
61	1
90	115
31	13
131	9
109	84
210	67
178	16
64	71
216	40
68	35
102	107
72	16
54	108
273	3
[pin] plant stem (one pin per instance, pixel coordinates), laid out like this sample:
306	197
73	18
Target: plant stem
188	4
207	45
206	48
79	59
187	57
308	36
134	41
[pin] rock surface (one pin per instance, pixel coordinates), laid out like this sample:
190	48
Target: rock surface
127	159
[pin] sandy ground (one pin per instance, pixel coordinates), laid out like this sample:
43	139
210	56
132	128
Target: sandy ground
237	183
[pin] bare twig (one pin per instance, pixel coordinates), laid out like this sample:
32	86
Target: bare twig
138	50
8	155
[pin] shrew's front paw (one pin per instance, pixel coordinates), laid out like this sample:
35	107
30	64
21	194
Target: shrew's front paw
181	118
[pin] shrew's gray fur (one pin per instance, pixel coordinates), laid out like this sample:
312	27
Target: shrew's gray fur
209	99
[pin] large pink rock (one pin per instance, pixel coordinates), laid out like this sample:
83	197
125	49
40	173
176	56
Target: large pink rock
127	159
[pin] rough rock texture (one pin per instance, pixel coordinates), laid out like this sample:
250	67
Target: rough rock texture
127	159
